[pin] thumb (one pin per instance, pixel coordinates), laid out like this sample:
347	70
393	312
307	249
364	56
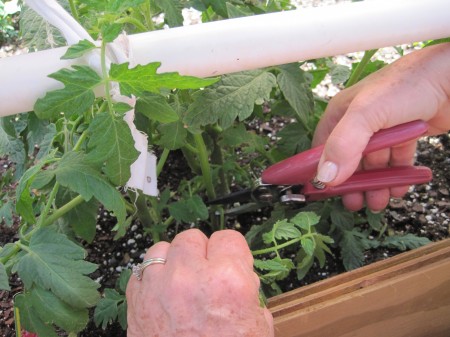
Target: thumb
343	149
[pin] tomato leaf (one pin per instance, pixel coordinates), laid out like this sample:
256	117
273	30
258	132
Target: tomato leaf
233	96
55	263
75	173
107	309
78	50
4	283
76	97
172	12
142	78
111	143
296	90
173	135
189	210
61	314
156	108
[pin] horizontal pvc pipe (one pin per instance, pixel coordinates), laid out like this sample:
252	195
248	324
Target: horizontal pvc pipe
246	43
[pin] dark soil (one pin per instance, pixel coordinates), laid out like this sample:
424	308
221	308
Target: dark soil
424	211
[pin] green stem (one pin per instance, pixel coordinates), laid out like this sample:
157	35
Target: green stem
74	10
162	160
149	16
48	205
204	165
356	75
106	77
80	141
129	19
276	247
63	210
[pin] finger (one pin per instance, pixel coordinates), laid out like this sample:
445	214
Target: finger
353	201
188	247
402	155
269	319
377	200
229	244
158	250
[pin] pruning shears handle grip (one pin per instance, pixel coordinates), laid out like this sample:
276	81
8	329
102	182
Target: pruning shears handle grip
371	180
303	166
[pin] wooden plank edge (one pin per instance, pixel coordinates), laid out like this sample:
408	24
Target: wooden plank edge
357	279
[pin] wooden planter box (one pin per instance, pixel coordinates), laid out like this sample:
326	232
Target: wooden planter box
404	296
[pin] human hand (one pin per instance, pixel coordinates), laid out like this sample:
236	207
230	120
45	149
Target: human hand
417	86
207	287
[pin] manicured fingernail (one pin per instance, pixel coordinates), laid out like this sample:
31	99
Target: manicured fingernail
327	172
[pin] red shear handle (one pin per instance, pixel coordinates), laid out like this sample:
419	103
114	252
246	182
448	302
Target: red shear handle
372	180
303	166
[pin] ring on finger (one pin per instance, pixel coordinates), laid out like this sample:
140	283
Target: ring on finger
138	270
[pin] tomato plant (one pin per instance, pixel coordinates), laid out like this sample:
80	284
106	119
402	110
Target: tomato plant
74	151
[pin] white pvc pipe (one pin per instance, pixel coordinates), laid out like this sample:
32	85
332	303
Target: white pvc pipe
246	43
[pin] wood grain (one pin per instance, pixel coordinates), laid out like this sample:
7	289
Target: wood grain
404	296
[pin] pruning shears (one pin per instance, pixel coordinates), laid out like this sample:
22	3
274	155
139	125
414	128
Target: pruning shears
292	181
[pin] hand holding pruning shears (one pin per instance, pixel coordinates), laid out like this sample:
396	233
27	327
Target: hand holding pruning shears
412	95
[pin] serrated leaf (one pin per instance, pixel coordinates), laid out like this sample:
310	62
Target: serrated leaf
24	201
294	139
304	266
342	218
40	134
308	245
14	148
143	78
404	242
61	314
6	212
189	210
4	280
30	319
375	220
277	268
285	230
156	108
74	98
237	12
106	310
172	12
55	263
122	314
112	6
352	251
78	50
339	73
123	280
37	33
233	96
111	143
110	31
82	218
235	136
296	90
75	173
173	135
305	220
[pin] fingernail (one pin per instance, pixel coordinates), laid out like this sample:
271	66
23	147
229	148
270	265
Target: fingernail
327	172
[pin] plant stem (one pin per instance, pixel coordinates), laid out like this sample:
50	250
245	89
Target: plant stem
80	141
275	248
128	19
162	160
356	75
74	10
148	16
106	77
204	165
63	210
48	205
